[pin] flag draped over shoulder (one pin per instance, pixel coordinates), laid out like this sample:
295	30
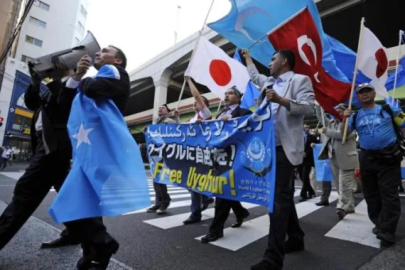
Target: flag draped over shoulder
107	176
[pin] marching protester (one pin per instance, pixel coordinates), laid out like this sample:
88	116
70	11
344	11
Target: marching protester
380	161
50	162
343	162
162	197
223	207
97	244
304	170
6	156
292	97
199	202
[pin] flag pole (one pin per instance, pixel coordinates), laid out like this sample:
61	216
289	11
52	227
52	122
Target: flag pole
401	33
219	107
323	117
356	67
195	47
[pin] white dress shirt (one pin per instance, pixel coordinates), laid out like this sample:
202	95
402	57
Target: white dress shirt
278	87
229	110
204	114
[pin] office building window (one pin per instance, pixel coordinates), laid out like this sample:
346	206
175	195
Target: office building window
37	22
80	27
41	5
83	11
34	41
25	58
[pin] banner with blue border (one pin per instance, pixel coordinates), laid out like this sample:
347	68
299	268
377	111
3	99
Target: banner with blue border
232	160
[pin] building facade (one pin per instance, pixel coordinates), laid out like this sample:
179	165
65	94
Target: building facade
51	26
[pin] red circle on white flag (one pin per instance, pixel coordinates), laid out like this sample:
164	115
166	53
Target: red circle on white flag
220	72
382	62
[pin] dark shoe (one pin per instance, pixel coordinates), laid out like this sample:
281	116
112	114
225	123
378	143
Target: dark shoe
341	214
264	265
163	208
153	209
387	239
239	221
375	230
322	203
293	246
211	237
60	242
99	261
303	199
192	220
351	212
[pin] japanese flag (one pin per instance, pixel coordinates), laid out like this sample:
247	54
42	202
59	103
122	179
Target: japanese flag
212	67
373	62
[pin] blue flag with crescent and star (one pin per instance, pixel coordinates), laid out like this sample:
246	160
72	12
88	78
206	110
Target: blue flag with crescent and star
107	177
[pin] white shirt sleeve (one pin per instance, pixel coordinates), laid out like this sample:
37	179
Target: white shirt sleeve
71	83
205	113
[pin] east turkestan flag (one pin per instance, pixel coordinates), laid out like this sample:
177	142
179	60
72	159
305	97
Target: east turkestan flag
373	61
212	67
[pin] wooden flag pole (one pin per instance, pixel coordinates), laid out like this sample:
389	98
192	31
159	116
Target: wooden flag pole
356	67
195	47
219	107
401	33
323	117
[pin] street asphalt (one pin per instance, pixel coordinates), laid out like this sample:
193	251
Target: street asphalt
149	241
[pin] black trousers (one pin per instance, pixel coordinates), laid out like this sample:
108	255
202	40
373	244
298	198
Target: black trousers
222	209
161	194
380	188
284	219
44	172
304	170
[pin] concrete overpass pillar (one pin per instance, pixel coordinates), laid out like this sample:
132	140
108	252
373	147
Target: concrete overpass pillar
161	86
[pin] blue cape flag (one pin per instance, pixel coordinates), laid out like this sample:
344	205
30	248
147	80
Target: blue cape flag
108	177
323	171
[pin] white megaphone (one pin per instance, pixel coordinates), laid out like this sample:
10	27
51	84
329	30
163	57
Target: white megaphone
45	66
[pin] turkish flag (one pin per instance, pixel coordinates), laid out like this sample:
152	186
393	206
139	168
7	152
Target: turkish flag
301	36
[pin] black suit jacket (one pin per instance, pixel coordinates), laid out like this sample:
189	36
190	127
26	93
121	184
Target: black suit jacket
55	105
309	153
238	112
115	89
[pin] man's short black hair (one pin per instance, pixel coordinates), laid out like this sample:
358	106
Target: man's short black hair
120	55
206	101
165	105
289	55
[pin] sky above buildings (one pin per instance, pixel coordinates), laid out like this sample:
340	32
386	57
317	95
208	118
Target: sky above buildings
145	28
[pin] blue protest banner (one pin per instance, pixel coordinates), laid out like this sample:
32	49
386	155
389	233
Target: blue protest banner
323	171
107	177
233	160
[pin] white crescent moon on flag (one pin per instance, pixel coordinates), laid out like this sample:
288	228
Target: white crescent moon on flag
242	18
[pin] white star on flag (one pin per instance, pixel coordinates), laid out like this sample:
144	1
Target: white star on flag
82	136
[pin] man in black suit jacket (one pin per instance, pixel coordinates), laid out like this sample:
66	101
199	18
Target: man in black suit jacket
223	206
97	244
51	154
307	192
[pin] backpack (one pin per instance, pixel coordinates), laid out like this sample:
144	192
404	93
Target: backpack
400	136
